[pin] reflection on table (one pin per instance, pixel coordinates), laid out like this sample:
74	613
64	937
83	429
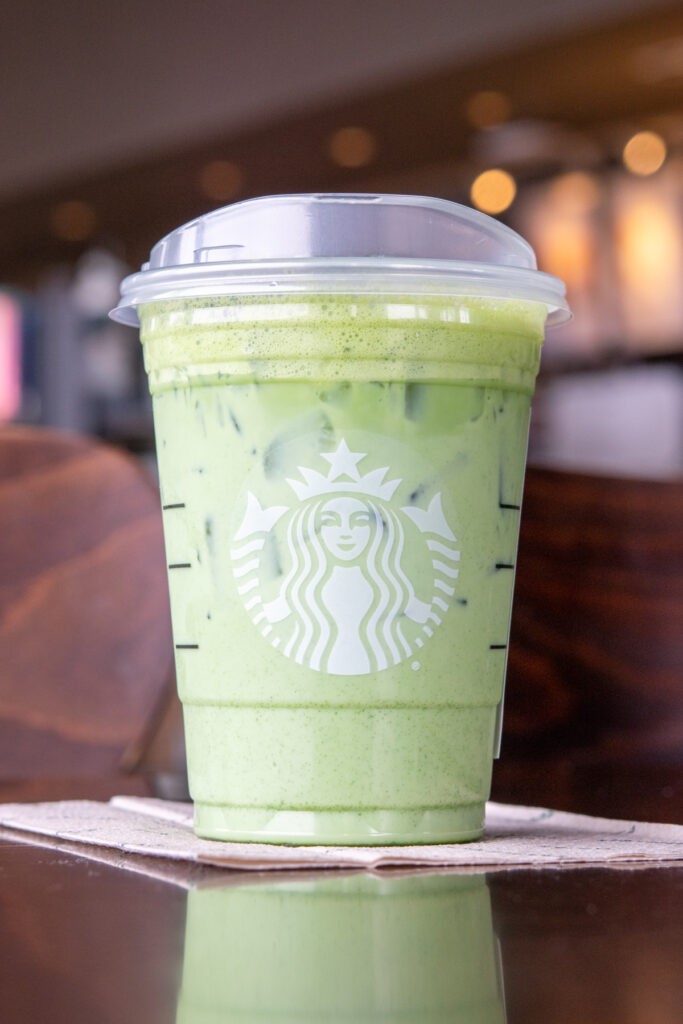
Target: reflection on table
82	941
360	948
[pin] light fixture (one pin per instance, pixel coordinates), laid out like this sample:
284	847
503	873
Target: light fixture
644	153
221	179
493	190
73	220
352	146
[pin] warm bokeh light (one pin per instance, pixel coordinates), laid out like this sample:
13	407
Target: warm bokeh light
493	191
561	218
644	153
566	248
352	147
487	108
650	265
221	179
576	192
73	220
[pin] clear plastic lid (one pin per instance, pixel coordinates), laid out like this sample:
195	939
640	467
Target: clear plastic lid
342	243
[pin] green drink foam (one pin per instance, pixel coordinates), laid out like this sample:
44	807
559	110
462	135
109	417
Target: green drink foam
343	338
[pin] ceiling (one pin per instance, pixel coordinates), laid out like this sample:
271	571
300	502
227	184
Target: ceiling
122	113
94	84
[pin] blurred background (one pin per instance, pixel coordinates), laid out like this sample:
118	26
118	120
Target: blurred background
565	120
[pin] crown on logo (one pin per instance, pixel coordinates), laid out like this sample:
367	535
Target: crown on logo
343	463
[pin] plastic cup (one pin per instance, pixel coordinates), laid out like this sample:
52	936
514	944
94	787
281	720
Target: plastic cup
341	390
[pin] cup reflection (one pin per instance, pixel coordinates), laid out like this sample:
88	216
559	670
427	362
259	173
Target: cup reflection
418	948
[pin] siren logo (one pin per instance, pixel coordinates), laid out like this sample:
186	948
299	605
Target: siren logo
340	580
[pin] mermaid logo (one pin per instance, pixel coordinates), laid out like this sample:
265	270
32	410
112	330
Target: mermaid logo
331	579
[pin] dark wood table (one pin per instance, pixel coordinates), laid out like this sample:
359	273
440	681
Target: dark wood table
85	942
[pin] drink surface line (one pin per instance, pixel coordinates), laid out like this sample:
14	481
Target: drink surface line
342	807
359	706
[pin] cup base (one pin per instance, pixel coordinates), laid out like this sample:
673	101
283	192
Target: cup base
339	828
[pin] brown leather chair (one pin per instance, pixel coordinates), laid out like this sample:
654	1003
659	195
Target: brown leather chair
594	703
85	641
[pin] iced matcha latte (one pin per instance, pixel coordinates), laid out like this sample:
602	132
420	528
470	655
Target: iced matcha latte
341	474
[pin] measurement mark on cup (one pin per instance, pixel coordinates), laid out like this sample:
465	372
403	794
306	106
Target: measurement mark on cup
497	647
504	504
505	565
175	504
187	647
180	565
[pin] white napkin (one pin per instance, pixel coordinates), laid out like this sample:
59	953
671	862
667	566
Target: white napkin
514	837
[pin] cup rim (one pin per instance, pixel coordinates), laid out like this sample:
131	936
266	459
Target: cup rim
340	276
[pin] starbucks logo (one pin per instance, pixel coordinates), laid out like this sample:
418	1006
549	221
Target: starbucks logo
340	579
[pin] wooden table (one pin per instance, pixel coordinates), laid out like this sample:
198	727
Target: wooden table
84	942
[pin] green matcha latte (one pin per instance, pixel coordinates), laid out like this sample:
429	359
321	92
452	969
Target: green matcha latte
341	474
366	716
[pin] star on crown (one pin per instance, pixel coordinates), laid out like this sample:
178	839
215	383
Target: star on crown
343	463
